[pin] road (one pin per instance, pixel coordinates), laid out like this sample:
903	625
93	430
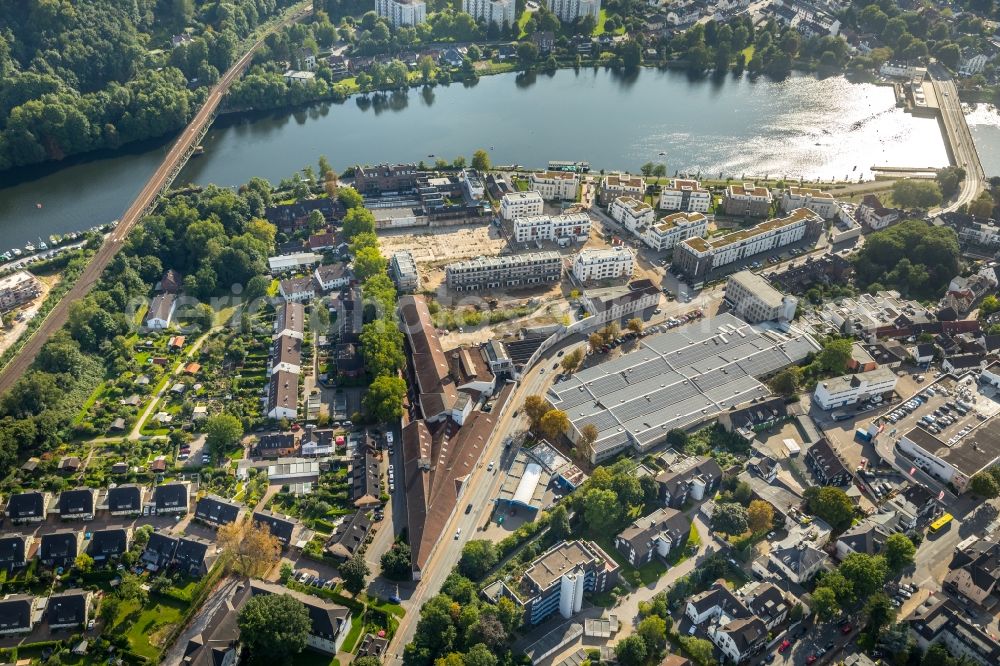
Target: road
957	134
482	487
174	159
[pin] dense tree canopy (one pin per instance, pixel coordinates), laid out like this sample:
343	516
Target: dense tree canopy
913	256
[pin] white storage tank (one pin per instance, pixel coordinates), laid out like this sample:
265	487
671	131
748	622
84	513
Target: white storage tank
698	488
571	594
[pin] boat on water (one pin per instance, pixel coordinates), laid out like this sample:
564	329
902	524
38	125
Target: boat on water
198	150
17	252
29	247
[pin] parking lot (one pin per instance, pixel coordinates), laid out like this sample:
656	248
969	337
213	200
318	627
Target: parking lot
947	409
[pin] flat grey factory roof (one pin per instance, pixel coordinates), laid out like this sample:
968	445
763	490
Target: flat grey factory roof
678	378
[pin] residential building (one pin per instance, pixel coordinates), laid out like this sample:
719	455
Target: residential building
110	543
975	573
731	626
798	562
17	289
826	465
159	551
748	200
69	609
867	537
504	271
283	395
685	195
217	511
500	12
698	257
960	363
373	180
695	478
659	533
171	498
218	641
670	382
276	445
332	276
349	536
631	213
472	185
291	320
372	646
161	311
752	298
364	491
292	217
59	549
521	204
299	77
322	242
769	603
874	214
940	620
402	12
868	315
571	226
672	229
194	556
558	579
282	527
851	389
619	303
27	507
297	289
17	614
403	271
14	550
570	10
555	185
286	355
819	202
125	500
604	264
745	418
329	622
79	504
621	185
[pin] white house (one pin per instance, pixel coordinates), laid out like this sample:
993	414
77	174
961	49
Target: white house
332	276
402	12
297	290
570	10
685	195
673	229
499	12
819	202
291	262
574	226
607	264
631	213
555	185
161	311
521	204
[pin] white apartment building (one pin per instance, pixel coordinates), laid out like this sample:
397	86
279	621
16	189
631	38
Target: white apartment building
402	12
621	185
748	199
686	195
552	227
608	264
673	229
849	389
570	10
555	185
752	298
631	213
697	257
819	202
521	204
500	12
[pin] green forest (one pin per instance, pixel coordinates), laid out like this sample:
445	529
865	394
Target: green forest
83	76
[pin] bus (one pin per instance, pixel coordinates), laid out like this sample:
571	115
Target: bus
940	524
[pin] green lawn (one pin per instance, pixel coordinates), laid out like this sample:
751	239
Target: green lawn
601	20
354	635
748	52
149	624
311	658
648	573
521	22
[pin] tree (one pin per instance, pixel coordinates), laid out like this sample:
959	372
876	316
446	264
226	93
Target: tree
948	180
250	548
825	603
479	655
899	551
653	630
984	485
835	356
677	438
879	612
554	423
760	516
131	589
367	661
634	325
596	341
559	527
273	627
395	562
369	262
867	573
350	198
601	510
729	518
911	193
384	398
588	435
84	563
631	651
989	305
355	573
222	433
699	649
286	572
571	361
527	54
535	407
478	557
481	160
982	207
831	504
787	381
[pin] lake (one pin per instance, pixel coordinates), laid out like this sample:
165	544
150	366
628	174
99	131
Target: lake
801	127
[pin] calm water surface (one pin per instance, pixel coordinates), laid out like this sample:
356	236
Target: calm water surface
801	127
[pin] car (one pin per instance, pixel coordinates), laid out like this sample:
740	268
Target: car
489	467
468	507
694	628
829	646
769	658
811	659
458	533
846	628
561	352
820	652
555	366
785	644
395	599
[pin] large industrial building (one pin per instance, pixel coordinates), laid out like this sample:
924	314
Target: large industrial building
676	380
